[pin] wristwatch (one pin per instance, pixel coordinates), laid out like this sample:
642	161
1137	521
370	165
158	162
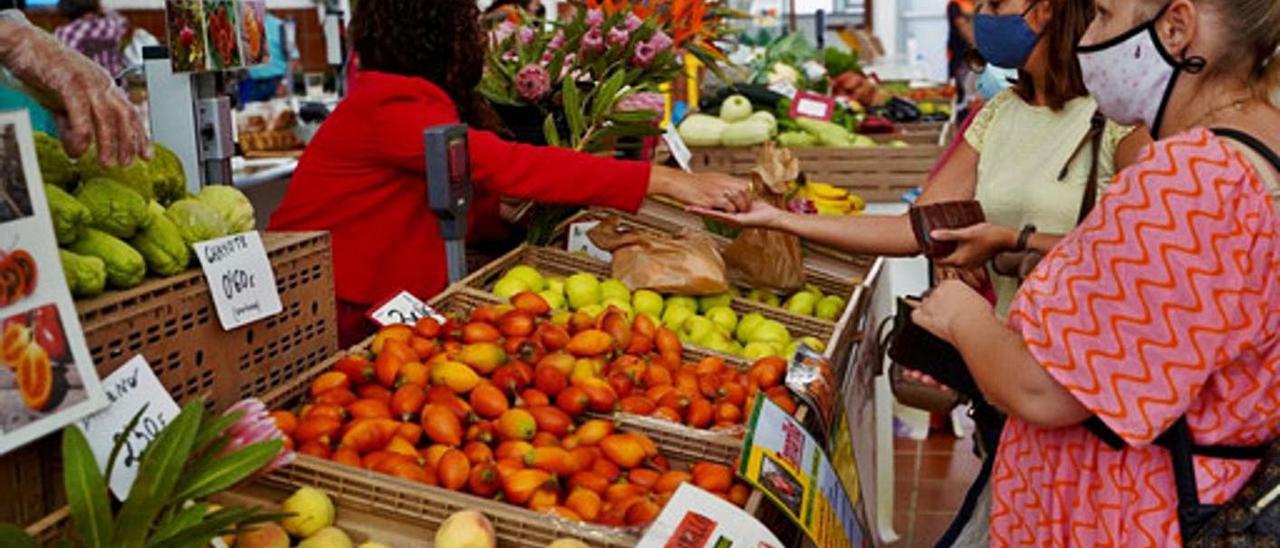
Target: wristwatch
1023	236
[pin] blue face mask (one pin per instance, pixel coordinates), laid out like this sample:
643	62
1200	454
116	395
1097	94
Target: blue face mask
994	80
1005	40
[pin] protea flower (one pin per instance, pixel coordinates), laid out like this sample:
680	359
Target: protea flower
556	42
595	18
618	36
510	56
500	33
256	426
660	42
633	22
644	54
593	40
645	100
524	35
532	83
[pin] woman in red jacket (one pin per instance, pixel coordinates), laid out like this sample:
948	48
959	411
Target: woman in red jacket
362	177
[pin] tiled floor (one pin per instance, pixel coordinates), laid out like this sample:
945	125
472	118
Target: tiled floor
932	477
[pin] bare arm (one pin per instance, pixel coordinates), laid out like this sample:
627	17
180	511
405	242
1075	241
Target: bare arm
871	234
1004	369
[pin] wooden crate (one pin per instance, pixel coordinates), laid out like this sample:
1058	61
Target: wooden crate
876	174
172	322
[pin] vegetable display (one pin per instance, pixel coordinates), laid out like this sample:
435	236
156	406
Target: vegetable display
496	405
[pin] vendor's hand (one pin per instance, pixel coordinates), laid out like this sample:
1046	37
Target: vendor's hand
950	304
976	245
762	214
96	110
705	190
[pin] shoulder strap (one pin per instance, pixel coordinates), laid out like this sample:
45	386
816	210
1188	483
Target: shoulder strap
1097	127
1252	142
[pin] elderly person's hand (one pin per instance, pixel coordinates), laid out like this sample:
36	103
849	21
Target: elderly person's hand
96	110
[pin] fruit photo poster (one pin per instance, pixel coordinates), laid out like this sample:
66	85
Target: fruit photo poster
47	379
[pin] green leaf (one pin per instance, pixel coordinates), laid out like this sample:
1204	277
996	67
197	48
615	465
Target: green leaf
86	490
227	470
607	94
188	517
573	111
124	437
213	431
158	474
633	116
550	132
13	536
213	525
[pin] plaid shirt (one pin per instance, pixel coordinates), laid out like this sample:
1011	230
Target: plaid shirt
98	37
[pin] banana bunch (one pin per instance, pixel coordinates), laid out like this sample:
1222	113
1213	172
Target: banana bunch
830	200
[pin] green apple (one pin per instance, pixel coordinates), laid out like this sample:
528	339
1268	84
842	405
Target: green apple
802	303
724	317
620	304
555	284
813	289
756	350
648	302
770	331
762	296
682	301
614	289
555	299
675	316
593	310
747	326
829	308
697	329
814	343
712	301
561	317
583	289
719	342
508	286
529	275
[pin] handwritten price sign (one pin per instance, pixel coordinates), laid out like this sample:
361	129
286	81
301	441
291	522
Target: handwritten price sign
240	279
403	308
130	389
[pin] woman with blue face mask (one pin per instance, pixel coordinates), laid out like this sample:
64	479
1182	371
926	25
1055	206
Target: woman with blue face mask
1027	157
1140	362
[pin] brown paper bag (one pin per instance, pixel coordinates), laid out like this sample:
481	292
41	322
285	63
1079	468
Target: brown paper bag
768	258
685	264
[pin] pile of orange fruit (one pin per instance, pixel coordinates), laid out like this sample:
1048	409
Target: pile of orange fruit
497	405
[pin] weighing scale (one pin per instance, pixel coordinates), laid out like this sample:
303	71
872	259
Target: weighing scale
449	191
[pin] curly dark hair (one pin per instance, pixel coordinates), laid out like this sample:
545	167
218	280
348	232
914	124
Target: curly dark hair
440	41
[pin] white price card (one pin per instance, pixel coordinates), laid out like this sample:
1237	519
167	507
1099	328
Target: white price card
784	88
240	279
694	518
129	389
679	150
579	242
403	308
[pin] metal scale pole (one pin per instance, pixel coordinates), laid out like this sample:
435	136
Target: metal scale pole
449	191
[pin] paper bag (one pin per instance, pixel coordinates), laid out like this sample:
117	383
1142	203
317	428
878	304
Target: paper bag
685	264
770	259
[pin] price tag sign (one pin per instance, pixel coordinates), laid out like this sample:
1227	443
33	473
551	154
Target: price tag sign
812	105
580	242
130	389
784	88
403	308
240	279
678	149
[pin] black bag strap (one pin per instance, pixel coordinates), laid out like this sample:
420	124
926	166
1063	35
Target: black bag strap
1252	142
1097	128
1171	438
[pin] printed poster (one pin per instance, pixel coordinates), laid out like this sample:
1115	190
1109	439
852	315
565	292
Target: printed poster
253	32
47	379
222	34
789	466
185	35
853	440
694	518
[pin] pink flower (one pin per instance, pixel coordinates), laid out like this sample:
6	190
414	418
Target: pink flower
556	42
255	426
618	36
644	54
646	100
593	40
503	31
524	35
532	83
595	18
633	22
510	56
546	58
660	42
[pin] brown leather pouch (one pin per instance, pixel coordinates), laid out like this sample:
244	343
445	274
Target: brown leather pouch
942	215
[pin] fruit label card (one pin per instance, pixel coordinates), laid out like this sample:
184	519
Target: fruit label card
240	279
694	518
403	308
807	104
47	378
131	389
578	242
253	32
791	469
784	88
679	150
